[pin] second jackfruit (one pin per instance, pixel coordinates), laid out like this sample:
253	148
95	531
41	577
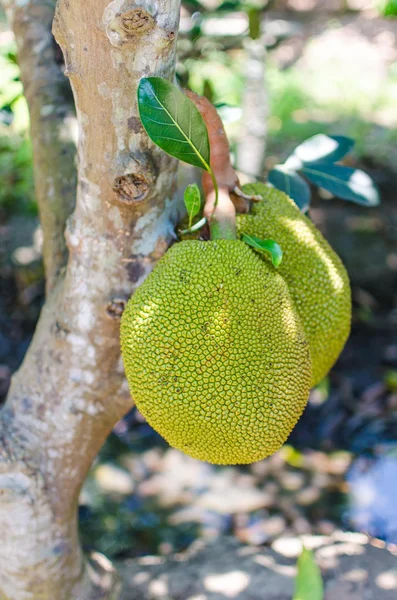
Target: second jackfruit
316	277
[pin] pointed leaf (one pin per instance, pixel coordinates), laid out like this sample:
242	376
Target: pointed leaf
344	182
309	583
321	147
173	122
292	184
268	246
192	199
390	9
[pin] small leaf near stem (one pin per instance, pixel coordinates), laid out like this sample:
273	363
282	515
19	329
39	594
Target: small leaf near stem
192	199
268	246
220	179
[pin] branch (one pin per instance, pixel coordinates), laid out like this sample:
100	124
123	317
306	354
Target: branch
52	122
252	145
71	389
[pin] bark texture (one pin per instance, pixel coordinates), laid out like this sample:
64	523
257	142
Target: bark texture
252	146
70	390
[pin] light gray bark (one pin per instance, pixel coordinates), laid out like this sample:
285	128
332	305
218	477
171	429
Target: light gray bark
252	146
70	390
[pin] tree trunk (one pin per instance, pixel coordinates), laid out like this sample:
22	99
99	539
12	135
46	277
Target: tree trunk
70	390
252	146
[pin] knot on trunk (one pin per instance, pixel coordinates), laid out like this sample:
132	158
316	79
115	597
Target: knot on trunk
115	308
136	21
131	188
125	27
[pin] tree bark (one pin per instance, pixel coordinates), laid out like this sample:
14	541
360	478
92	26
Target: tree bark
71	390
252	146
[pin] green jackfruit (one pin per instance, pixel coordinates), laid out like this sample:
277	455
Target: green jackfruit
215	354
316	277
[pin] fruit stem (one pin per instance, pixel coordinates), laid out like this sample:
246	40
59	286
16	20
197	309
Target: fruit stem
221	214
216	188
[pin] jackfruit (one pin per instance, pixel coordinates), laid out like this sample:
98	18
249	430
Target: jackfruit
315	275
215	354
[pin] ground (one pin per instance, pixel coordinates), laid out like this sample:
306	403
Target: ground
352	568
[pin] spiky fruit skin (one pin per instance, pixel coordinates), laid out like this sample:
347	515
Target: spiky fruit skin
316	277
215	354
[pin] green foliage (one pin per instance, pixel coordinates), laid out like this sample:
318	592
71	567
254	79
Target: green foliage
390	380
343	182
292	184
173	122
16	173
254	19
315	159
233	5
267	246
309	583
388	8
321	148
192	199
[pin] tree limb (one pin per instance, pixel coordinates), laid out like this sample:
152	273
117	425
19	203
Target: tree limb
252	145
52	122
70	390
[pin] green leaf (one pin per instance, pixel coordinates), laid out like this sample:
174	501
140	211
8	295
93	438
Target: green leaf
292	184
173	122
344	182
309	583
390	8
254	20
192	199
321	147
268	246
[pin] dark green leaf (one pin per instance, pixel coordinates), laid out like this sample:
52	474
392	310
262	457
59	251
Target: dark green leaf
344	182
309	583
268	246
193	4
173	122
321	147
229	6
192	200
292	184
234	5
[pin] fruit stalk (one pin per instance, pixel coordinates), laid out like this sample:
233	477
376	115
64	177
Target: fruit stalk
219	184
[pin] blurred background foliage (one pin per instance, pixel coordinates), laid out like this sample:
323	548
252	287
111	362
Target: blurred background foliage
301	67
